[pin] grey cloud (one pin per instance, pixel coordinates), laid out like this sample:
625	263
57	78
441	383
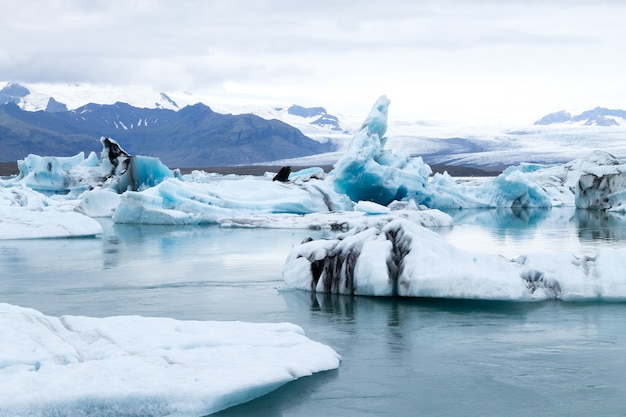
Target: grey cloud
195	44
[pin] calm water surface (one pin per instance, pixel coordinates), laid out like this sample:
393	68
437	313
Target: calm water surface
400	357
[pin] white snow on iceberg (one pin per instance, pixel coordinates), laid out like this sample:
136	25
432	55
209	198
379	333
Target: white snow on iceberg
365	214
141	366
401	258
208	199
28	214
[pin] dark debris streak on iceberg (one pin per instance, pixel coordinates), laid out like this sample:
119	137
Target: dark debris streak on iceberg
401	258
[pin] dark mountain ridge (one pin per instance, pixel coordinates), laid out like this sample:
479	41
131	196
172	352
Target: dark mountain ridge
192	136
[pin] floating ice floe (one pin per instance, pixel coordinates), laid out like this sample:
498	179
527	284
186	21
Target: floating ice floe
401	258
25	213
365	214
17	223
141	366
202	198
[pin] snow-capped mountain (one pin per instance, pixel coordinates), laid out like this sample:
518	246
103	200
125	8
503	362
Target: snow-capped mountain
35	97
190	136
599	116
555	138
314	122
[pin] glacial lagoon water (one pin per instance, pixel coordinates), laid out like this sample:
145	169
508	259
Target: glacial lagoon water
400	357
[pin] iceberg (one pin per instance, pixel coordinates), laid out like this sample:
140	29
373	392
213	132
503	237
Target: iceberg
601	183
58	175
359	191
55	197
368	171
28	214
115	169
595	181
401	258
202	198
143	366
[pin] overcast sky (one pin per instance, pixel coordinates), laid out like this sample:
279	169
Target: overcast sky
436	60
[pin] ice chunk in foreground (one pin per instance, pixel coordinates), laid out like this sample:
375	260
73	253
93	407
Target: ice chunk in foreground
17	223
405	259
140	366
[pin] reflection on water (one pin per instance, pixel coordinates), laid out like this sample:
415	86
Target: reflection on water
410	357
502	218
593	225
512	232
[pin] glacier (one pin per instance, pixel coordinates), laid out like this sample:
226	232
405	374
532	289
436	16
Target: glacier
133	365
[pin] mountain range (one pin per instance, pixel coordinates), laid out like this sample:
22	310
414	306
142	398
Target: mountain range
183	131
194	136
599	116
